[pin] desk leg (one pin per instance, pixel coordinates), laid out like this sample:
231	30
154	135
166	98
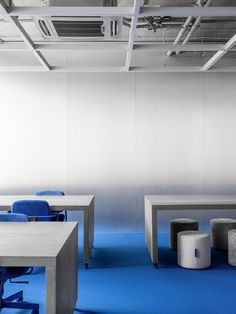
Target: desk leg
61	278
151	231
88	232
51	288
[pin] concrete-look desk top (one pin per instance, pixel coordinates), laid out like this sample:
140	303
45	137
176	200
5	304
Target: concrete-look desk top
153	203
198	199
83	203
25	239
53	245
70	202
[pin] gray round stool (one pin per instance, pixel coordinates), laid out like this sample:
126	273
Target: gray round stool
194	250
232	247
178	225
219	232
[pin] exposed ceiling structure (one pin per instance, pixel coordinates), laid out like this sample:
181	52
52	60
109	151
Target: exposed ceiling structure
118	35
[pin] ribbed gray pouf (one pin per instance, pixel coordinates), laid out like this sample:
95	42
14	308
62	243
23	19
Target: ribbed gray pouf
178	225
219	232
194	249
232	247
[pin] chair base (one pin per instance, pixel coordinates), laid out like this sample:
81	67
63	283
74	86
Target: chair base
18	303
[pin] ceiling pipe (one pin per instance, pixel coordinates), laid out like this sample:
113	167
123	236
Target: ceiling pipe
181	32
193	28
185	27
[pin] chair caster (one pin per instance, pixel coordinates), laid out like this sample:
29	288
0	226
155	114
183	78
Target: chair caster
86	265
155	265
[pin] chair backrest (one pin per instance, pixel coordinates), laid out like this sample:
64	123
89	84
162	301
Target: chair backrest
50	192
31	207
13	217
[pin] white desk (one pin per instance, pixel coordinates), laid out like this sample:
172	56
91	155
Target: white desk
65	202
153	203
53	245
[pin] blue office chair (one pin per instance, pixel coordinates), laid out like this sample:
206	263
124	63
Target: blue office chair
61	217
50	192
14	301
36	210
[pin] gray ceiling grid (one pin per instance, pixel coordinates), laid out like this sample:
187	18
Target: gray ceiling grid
130	35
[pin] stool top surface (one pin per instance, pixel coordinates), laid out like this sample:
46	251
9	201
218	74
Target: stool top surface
194	234
232	231
183	220
223	220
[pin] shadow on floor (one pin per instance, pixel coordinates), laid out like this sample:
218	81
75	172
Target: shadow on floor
113	257
116	257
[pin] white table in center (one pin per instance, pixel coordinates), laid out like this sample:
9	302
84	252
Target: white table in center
53	245
83	203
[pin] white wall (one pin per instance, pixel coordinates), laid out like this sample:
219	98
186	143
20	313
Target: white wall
118	136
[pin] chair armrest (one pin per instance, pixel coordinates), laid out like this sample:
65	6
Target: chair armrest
43	218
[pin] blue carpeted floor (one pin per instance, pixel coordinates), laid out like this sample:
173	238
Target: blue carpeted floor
122	280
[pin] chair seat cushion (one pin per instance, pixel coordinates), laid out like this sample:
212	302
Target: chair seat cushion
14	272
